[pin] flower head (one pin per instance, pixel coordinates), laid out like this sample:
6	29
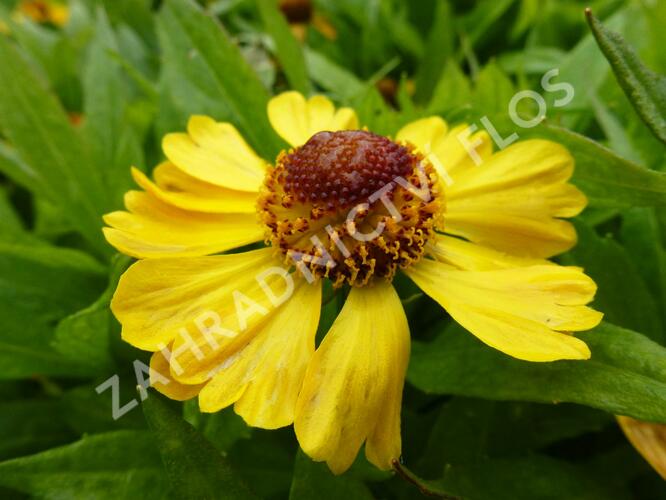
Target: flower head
44	11
349	206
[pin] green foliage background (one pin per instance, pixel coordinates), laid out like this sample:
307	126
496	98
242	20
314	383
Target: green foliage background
477	423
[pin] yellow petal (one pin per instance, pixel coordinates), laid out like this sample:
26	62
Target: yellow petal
175	187
353	387
447	149
296	120
649	439
511	201
473	257
265	377
156	300
154	229
216	153
246	305
163	382
522	312
521	236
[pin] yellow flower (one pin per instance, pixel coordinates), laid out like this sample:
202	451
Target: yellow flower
44	11
355	208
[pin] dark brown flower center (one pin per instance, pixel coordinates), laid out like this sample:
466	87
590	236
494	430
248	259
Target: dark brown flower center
341	169
350	206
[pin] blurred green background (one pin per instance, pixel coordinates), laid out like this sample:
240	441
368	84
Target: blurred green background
89	87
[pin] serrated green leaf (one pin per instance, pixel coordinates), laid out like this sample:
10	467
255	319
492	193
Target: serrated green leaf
287	48
645	89
626	375
196	469
109	466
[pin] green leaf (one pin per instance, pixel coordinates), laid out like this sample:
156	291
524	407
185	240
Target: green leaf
17	170
626	375
493	91
527	478
331	77
180	98
615	273
468	428
40	285
314	480
645	89
266	461
37	126
585	70
531	60
438	51
223	428
9	218
211	62
642	236
88	412
85	336
114	142
618	138
287	48
605	178
196	469
110	466
452	90
486	13
30	425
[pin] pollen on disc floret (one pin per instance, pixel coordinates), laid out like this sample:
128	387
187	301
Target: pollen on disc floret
343	205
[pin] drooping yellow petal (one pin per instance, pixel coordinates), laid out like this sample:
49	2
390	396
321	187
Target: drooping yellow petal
158	300
247	304
162	381
451	151
649	439
296	119
353	387
216	153
154	229
265	376
522	311
511	201
175	187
